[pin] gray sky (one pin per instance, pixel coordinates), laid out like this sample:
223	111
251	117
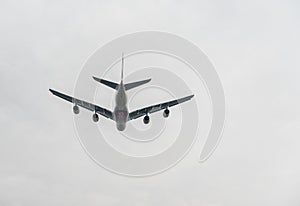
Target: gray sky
254	46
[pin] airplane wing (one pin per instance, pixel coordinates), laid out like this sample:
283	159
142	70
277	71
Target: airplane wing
110	84
136	84
154	108
94	108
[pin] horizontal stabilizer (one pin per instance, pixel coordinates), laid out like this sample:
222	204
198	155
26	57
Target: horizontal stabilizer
136	84
110	84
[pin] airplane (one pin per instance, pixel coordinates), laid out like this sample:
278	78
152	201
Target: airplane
121	115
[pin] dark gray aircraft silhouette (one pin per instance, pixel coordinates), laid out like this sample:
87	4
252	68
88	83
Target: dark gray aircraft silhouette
120	114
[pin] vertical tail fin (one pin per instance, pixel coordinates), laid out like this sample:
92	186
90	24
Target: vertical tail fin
122	68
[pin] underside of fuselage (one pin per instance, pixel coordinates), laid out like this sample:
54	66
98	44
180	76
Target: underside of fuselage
121	117
121	110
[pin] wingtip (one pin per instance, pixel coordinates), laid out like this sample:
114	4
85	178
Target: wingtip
96	79
190	97
53	91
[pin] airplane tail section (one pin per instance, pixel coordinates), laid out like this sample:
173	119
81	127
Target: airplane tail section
136	84
110	84
128	86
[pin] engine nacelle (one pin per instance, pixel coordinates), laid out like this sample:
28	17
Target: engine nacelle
166	113
76	109
146	119
95	117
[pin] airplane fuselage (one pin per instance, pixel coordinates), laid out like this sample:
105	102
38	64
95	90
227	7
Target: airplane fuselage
120	113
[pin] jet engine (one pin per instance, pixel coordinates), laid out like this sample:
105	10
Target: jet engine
95	117
146	119
76	109
166	113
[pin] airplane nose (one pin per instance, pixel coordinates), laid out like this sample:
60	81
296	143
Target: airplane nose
121	127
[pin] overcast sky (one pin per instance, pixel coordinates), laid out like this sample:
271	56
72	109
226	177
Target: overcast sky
254	46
